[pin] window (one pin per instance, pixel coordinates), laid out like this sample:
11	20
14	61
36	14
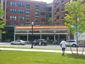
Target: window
43	19
21	18
20	11
57	17
36	13
8	3
62	9
27	12
62	1
42	13
20	4
57	10
62	17
49	9
13	18
27	19
27	6
13	11
10	17
37	10
49	15
13	4
37	6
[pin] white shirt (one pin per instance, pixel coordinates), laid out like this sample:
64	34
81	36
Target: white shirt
63	44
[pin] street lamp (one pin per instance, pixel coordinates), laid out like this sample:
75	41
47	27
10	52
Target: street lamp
32	34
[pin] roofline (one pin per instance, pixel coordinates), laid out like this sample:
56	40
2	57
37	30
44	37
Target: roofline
41	27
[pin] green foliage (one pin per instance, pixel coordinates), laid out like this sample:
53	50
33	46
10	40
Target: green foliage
2	22
75	16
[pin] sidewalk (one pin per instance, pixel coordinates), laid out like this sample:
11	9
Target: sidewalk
38	50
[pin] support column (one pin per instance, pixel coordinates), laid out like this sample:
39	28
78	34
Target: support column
27	36
40	35
58	38
14	34
66	37
54	36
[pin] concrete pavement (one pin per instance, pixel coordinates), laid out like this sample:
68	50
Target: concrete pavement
39	50
48	47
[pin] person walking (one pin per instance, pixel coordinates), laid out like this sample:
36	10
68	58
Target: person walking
63	46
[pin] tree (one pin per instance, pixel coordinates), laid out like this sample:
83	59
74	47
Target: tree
2	22
74	18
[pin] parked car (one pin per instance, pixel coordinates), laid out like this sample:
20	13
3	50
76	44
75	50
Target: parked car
35	42
40	42
55	42
18	42
27	42
71	43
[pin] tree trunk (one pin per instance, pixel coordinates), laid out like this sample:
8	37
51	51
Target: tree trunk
83	48
70	39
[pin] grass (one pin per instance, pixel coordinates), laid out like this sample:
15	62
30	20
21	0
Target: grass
17	57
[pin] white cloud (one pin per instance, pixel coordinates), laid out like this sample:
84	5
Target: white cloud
48	1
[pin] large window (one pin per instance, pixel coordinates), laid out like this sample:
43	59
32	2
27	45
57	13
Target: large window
13	18
21	18
13	11
20	11
20	4
13	4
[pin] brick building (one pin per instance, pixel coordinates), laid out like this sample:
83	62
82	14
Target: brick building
58	12
49	14
24	12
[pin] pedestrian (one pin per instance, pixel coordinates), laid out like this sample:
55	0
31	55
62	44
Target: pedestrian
63	46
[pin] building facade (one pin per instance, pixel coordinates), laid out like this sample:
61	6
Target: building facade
24	12
49	14
52	33
58	11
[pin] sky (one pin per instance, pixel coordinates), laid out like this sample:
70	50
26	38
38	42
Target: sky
48	1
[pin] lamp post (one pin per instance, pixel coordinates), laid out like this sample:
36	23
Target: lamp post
32	35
